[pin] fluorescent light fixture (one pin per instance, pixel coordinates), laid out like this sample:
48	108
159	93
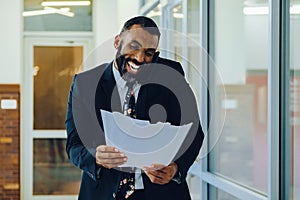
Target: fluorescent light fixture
49	10
158	13
295	9
256	10
66	3
154	13
37	12
62	11
178	15
264	10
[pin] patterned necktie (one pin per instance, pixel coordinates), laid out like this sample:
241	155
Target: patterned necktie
126	186
129	103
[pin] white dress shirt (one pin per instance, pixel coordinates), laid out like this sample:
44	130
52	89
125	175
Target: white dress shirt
122	89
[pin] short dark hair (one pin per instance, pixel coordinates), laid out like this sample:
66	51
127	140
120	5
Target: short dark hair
145	22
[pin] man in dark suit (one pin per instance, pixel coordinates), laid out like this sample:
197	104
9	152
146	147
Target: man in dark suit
154	81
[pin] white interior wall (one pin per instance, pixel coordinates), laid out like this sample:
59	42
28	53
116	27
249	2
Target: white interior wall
243	43
11	41
109	17
126	10
230	41
257	41
105	21
295	42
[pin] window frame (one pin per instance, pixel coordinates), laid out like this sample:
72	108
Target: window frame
279	155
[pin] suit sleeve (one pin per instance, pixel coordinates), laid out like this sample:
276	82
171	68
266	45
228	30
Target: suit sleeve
185	161
196	135
78	154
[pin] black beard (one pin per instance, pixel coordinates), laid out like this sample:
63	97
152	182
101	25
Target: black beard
121	63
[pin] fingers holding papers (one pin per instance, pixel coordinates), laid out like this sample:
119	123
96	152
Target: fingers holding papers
109	157
161	174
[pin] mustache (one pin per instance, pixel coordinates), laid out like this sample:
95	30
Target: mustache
134	61
122	60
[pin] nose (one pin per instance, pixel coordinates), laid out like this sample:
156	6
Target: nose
140	56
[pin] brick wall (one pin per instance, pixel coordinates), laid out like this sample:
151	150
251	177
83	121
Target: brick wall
9	142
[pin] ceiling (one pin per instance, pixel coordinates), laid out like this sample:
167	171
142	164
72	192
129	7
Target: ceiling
36	4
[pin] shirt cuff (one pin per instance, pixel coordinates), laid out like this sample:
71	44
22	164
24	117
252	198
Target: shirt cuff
177	177
98	170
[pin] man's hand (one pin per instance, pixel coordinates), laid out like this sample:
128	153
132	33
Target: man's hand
109	157
161	174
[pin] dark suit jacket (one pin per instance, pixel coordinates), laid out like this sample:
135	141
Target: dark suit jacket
103	184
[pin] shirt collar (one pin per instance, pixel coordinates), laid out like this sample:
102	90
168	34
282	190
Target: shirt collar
119	80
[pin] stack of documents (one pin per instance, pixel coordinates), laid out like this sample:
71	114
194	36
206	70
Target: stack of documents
143	143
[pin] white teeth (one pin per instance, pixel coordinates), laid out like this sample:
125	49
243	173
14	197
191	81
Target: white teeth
133	66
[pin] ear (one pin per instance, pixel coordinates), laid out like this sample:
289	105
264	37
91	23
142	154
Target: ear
117	41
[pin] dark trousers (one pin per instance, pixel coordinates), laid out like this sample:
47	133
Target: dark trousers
137	195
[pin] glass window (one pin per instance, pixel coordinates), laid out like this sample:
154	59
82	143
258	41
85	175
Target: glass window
194	186
194	49
54	68
177	25
40	17
295	97
240	51
218	194
52	171
155	14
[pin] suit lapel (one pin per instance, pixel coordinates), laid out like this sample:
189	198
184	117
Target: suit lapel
141	108
107	92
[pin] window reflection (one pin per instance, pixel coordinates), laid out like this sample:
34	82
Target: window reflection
241	56
177	24
217	194
52	172
193	44
155	14
53	70
295	98
194	186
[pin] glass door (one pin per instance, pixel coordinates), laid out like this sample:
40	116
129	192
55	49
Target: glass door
49	72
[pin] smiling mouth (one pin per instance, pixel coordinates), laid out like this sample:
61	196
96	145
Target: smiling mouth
133	66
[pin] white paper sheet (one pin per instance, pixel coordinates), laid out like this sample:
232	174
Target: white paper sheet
143	143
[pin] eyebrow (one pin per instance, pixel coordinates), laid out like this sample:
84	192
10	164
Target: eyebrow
135	41
139	44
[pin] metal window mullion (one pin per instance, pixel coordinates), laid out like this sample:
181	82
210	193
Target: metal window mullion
273	102
278	102
148	7
185	36
231	188
285	134
211	46
204	95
